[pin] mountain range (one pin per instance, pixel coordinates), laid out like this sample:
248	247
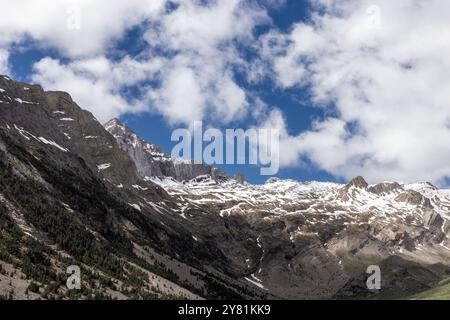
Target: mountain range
143	225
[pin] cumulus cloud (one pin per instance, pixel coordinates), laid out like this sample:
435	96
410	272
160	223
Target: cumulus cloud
378	68
383	67
96	83
82	32
198	79
74	27
194	43
180	99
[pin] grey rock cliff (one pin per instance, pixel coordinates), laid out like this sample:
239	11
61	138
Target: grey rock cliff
151	161
224	237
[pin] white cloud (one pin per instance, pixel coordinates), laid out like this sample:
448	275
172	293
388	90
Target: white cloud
180	98
4	56
201	42
74	27
82	31
288	145
190	57
96	84
202	28
384	65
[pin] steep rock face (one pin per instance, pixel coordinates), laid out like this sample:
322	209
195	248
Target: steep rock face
53	152
151	161
357	182
53	117
68	182
305	232
385	188
414	198
434	221
353	188
310	231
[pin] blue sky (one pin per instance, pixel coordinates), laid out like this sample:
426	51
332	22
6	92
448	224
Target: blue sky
329	74
298	109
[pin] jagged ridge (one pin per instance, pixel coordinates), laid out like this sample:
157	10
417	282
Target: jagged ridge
220	238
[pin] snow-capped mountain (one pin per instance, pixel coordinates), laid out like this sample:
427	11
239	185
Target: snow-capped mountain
146	225
341	225
151	161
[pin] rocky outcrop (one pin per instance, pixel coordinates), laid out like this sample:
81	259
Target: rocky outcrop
414	198
151	161
434	220
53	118
83	188
385	188
349	191
357	182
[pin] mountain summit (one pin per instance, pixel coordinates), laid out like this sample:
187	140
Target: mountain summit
151	161
142	225
358	182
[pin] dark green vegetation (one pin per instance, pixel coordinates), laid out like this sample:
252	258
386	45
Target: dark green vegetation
75	212
104	250
67	199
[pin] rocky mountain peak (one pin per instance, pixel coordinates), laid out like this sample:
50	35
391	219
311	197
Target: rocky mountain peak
151	161
59	167
51	118
357	182
116	125
431	186
114	121
385	188
421	186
